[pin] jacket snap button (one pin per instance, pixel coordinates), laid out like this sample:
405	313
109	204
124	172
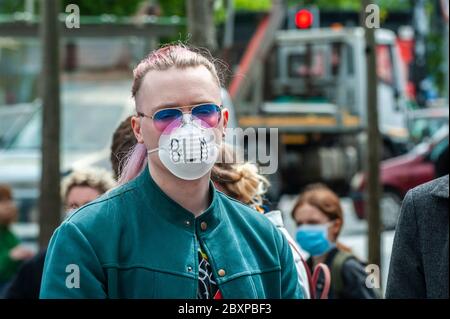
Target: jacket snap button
221	272
187	223
203	226
189	268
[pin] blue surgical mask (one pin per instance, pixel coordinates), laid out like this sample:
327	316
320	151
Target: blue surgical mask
314	239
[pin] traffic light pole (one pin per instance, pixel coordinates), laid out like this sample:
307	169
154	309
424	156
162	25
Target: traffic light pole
374	143
50	199
201	26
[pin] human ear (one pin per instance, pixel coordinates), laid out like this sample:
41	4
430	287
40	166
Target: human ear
225	115
136	125
335	229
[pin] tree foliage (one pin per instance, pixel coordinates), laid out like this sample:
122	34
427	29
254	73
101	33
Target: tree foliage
96	8
353	5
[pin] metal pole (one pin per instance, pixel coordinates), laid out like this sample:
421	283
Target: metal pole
444	11
446	65
374	143
200	14
229	25
50	200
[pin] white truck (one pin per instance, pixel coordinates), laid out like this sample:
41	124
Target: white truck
311	85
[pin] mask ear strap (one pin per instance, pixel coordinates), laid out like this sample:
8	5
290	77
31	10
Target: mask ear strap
152	151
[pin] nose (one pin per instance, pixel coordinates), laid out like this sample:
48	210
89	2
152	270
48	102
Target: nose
187	117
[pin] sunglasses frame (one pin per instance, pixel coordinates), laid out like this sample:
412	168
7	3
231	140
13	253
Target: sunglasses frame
141	114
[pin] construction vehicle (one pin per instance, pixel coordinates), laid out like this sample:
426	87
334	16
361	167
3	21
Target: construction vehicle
311	85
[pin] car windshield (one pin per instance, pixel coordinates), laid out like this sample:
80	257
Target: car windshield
96	82
440	135
325	73
89	117
424	128
318	68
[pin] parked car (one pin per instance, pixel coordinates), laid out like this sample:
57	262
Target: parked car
90	112
424	123
13	118
423	163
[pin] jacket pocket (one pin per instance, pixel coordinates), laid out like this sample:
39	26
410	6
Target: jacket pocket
252	285
138	282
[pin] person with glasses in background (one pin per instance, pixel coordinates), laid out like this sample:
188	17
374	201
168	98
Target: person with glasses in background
166	232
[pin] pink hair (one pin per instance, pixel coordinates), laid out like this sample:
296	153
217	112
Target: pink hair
134	163
174	55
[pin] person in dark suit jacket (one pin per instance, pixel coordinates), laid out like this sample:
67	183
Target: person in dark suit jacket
419	261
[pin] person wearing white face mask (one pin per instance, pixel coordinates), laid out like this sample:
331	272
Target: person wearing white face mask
189	149
166	232
319	217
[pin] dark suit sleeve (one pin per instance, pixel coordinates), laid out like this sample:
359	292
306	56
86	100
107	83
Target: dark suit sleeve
406	278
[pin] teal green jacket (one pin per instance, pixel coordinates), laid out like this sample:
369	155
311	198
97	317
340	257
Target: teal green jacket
136	242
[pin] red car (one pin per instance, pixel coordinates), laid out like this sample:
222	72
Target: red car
423	163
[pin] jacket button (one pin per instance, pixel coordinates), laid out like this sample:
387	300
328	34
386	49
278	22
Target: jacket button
189	268
221	272
187	223
203	226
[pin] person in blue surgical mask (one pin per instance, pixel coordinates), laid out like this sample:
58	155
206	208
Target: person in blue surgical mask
319	217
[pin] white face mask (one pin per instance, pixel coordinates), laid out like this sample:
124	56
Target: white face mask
190	151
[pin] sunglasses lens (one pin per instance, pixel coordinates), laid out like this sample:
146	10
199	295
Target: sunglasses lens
163	118
208	114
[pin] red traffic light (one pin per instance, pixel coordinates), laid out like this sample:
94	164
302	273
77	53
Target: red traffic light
304	19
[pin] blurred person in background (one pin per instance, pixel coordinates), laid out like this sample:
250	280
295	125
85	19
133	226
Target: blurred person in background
12	254
83	186
419	261
243	182
319	217
123	141
77	189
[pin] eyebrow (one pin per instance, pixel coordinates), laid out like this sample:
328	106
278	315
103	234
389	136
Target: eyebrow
170	105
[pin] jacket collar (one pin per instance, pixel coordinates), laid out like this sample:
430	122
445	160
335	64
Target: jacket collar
275	217
161	204
441	187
